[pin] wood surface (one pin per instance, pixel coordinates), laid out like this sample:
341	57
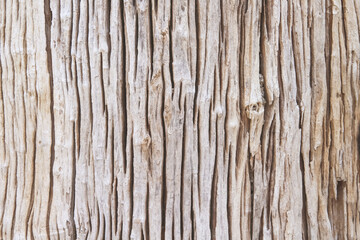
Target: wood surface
179	119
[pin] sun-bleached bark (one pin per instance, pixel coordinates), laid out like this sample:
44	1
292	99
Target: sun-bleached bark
164	119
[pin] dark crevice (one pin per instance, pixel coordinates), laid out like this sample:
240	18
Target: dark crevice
246	5
261	232
13	214
262	50
281	85
87	66
116	206
183	157
213	104
108	37
328	54
222	76
97	220
31	204
242	37
123	93
2	117
94	6
163	177
10	55
120	231
198	58
111	219
78	122
305	209
171	50
68	60
136	45
297	66
5	198
312	53
151	37
31	226
103	226
72	231
106	130
270	161
172	226
155	6
77	11
358	148
131	190
252	187
48	14
222	24
142	233
180	98
57	232
210	121
199	158
147	231
113	177
147	116
192	211
90	222
228	204
102	86
239	141
343	25
214	184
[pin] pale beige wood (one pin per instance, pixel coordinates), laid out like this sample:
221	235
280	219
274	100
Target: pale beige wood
159	119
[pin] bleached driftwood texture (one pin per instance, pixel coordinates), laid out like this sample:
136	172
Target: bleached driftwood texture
179	119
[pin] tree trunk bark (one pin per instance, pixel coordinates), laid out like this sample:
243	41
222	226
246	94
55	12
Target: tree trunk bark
179	119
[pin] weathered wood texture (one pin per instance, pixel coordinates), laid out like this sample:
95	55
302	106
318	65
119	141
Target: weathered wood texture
179	119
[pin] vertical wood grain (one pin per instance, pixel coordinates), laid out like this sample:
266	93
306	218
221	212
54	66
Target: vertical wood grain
155	119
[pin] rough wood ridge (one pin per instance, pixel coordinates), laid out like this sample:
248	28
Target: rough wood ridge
179	119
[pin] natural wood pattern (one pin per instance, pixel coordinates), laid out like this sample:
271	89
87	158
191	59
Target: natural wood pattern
179	119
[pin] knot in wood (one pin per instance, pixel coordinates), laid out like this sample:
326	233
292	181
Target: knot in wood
253	110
